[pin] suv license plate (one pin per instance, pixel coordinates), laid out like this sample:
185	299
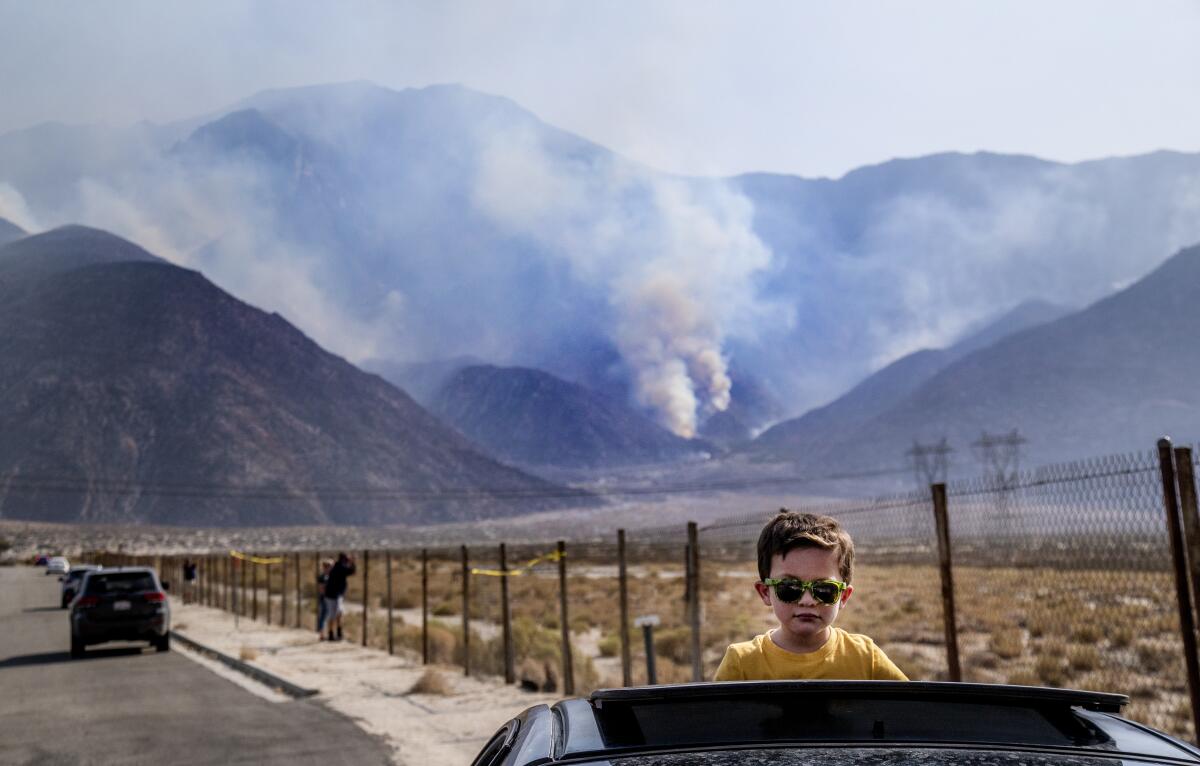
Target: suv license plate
120	606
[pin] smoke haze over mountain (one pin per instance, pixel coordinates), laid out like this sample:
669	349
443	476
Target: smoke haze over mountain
429	223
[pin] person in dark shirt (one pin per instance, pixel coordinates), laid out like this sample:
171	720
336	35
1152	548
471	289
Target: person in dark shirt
189	581
335	594
322	611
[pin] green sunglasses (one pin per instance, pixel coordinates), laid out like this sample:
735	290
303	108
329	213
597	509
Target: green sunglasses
789	591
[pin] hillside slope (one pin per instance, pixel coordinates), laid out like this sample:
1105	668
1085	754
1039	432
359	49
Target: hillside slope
136	391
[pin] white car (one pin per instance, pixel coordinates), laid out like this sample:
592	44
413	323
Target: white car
72	580
58	565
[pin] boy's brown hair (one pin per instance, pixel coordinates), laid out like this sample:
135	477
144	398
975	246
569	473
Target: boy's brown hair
790	530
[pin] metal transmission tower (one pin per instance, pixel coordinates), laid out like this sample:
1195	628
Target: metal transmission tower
930	462
1001	457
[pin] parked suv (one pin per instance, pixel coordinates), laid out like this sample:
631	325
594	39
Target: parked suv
124	604
833	723
71	581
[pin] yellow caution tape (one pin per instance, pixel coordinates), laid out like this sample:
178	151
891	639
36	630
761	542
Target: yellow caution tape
552	556
255	559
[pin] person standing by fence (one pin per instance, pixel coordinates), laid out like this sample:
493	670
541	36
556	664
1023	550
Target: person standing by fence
322	611
189	581
335	593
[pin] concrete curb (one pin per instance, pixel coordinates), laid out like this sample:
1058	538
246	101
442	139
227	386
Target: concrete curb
258	674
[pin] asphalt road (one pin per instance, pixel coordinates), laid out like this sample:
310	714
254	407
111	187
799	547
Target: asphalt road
129	705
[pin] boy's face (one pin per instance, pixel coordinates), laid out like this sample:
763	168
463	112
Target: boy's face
804	623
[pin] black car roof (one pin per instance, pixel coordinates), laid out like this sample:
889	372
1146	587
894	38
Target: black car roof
692	717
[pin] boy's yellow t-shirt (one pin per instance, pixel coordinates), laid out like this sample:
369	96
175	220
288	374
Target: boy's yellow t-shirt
845	656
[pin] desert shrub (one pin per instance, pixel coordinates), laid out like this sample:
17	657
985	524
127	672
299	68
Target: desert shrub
1083	657
610	645
674	644
1121	636
405	599
1053	648
1087	633
1154	657
444	608
443	642
1051	670
1024	677
984	659
1007	643
1039	624
247	653
432	682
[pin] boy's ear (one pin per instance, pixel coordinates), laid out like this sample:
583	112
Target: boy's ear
846	594
764	592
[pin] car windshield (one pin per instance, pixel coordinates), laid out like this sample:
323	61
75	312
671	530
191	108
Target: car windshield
870	757
123	582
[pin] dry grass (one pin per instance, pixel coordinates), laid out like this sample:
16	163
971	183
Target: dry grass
247	654
432	682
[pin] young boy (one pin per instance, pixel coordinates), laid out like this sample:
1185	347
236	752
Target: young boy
805	563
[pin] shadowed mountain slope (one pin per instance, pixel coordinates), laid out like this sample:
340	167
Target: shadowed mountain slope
9	231
531	417
890	385
1111	378
137	391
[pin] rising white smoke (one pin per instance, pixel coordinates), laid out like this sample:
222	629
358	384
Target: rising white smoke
676	260
14	210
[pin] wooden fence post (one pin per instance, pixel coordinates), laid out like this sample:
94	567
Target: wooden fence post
320	596
267	604
466	613
1187	624
296	566
1186	479
424	606
510	673
949	620
254	587
283	593
568	663
693	570
366	555
242	595
623	590
387	565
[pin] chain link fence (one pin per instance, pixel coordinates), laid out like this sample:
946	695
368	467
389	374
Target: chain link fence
1063	576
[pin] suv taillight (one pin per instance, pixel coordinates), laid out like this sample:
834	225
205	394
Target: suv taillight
83	602
156	595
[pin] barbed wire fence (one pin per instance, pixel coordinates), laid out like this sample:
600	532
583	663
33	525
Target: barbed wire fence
1079	575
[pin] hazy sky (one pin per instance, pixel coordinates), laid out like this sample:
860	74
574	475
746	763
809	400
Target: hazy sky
695	87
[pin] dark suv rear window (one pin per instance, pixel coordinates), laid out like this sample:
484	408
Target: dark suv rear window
120	582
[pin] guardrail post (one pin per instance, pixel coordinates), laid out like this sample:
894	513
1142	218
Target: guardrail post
466	613
1187	625
510	673
568	662
949	619
366	556
387	566
424	606
693	588
623	590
